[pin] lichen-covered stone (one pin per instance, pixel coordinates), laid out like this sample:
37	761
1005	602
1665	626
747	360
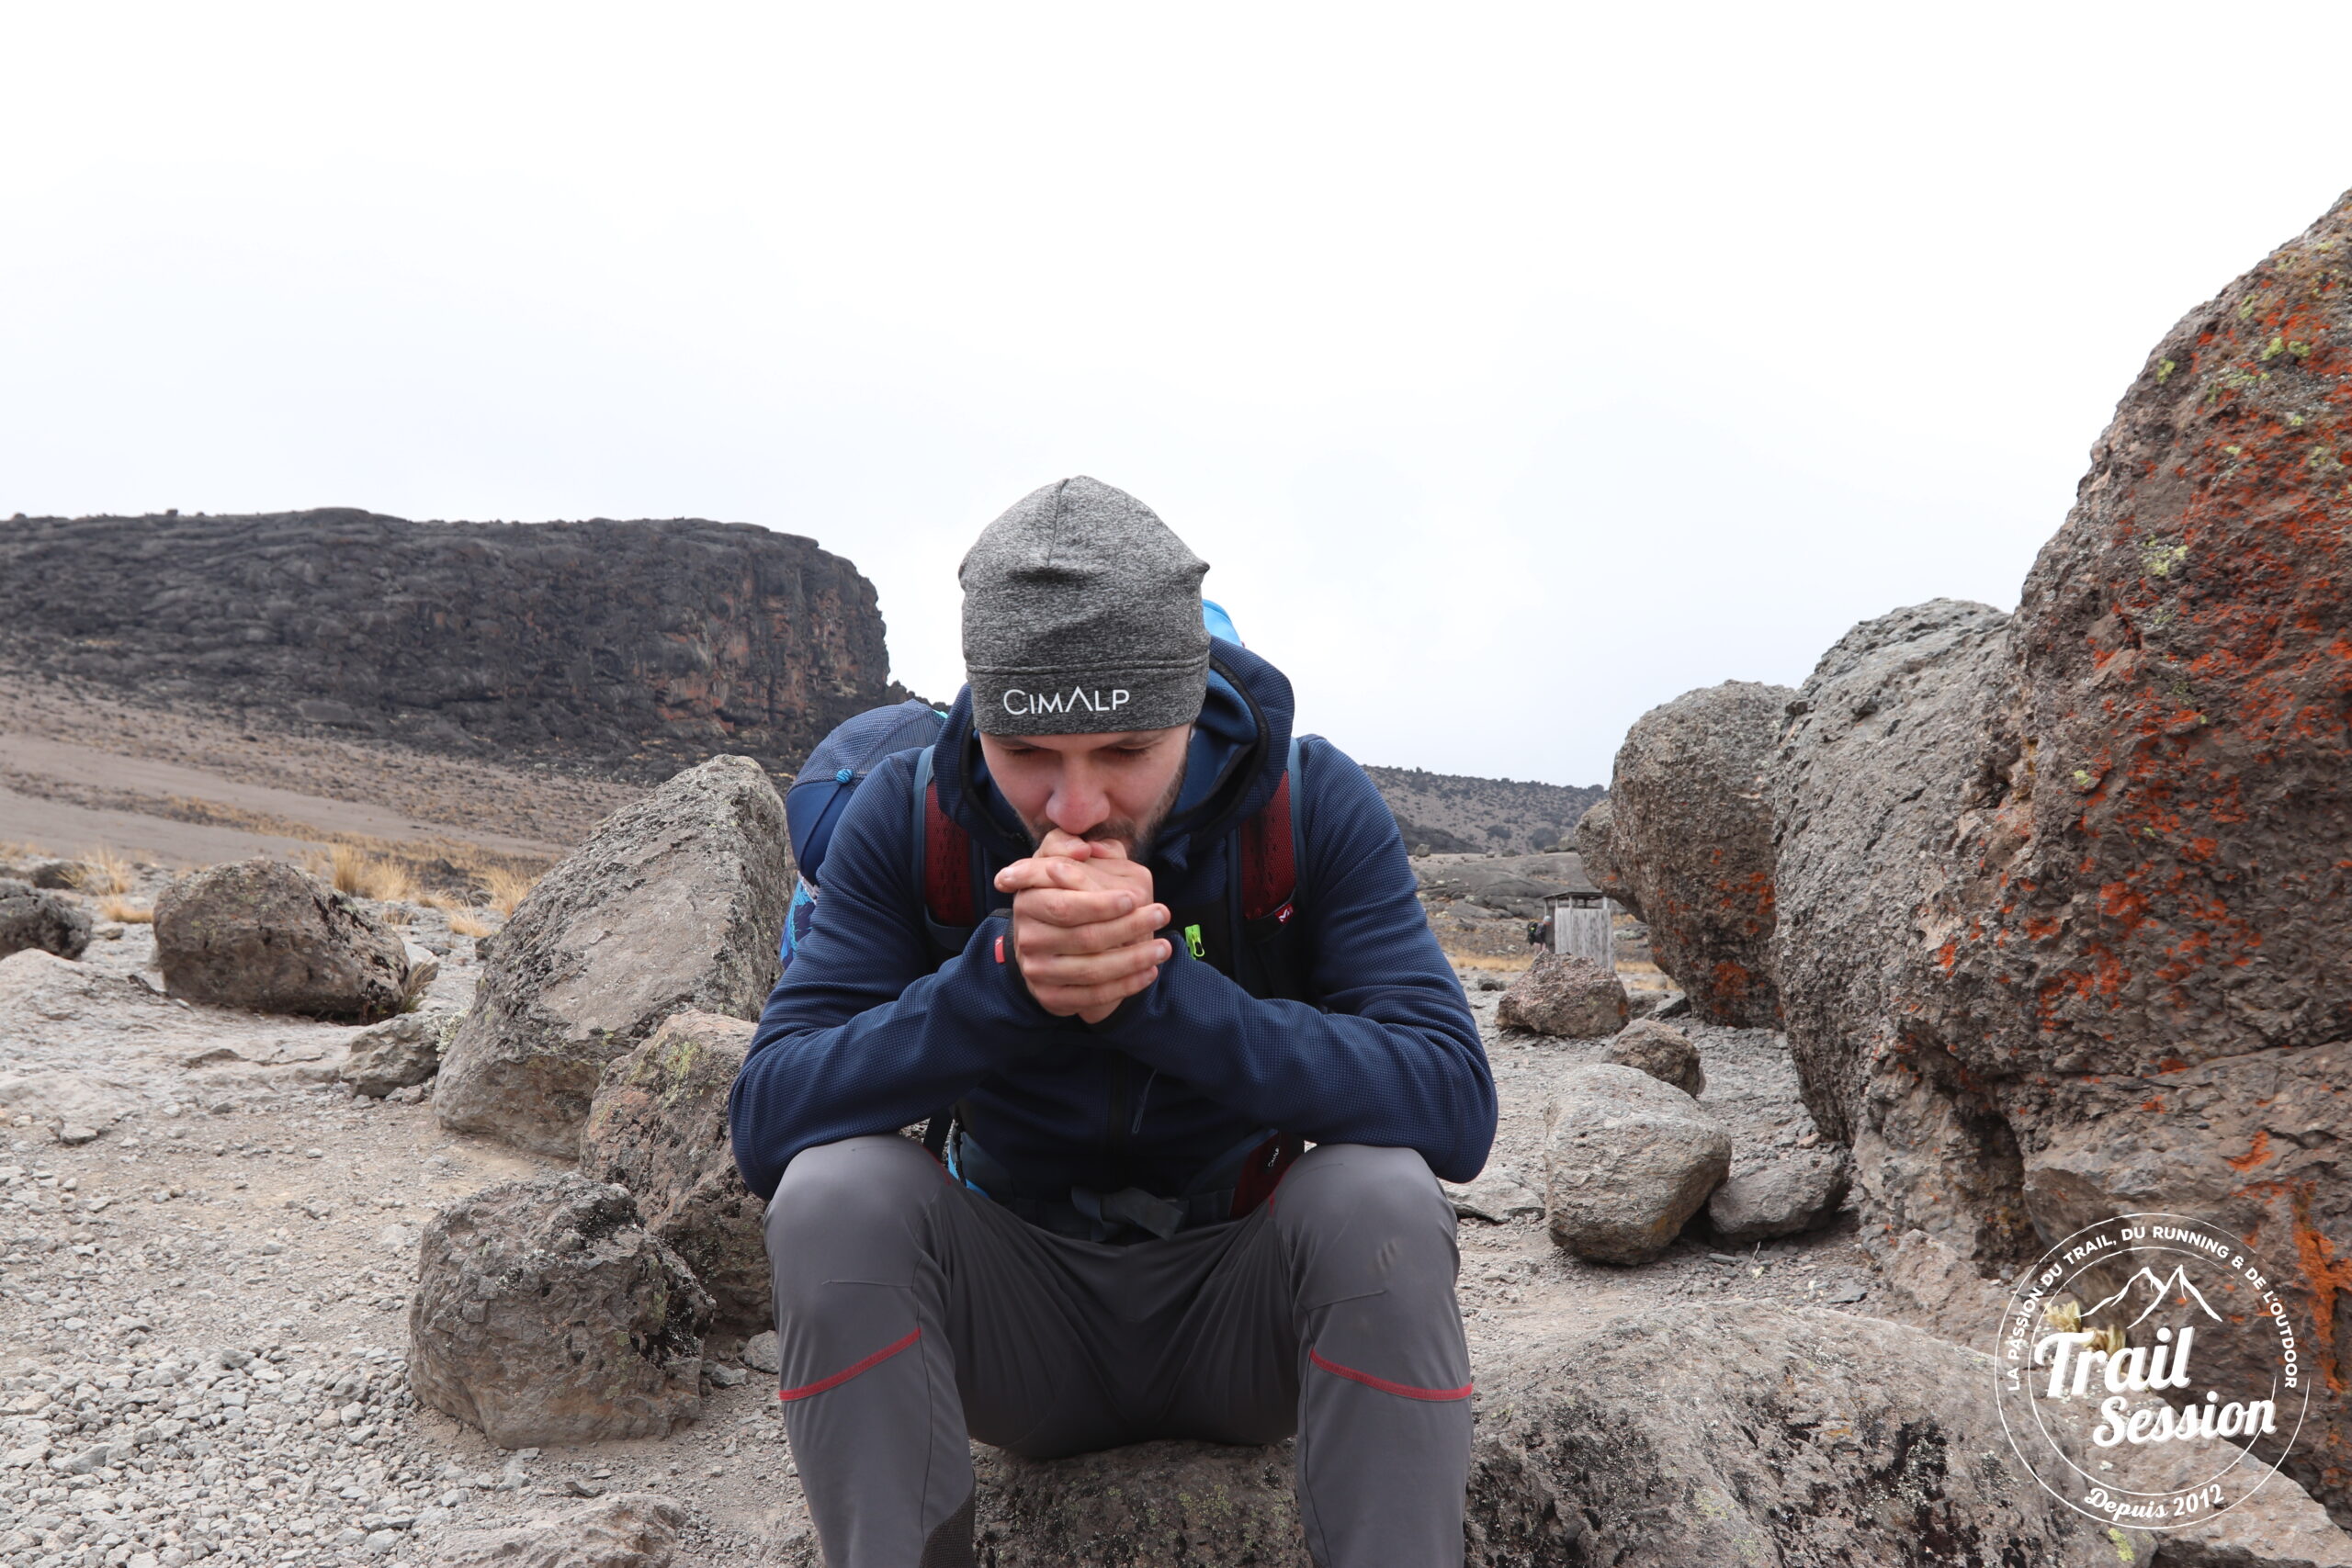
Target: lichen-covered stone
658	1127
1691	836
34	917
1564	997
544	1314
674	903
2121	976
263	935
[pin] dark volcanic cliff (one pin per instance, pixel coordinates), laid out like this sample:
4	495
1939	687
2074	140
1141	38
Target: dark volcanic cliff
635	646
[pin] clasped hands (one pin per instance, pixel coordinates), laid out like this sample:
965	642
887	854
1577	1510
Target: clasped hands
1083	925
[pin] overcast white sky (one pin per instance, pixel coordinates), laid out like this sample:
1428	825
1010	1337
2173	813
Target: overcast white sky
1515	368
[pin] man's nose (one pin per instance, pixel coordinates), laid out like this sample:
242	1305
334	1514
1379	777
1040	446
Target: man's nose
1079	803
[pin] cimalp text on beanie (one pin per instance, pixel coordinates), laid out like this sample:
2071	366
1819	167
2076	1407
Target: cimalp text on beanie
1082	616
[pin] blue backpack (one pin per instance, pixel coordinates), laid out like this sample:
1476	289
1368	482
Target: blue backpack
820	793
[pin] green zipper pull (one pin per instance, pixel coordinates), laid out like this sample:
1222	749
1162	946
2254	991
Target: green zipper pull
1192	939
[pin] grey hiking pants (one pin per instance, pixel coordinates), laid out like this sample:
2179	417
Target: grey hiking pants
911	1312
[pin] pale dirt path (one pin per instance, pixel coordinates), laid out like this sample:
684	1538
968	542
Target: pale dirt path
103	773
78	766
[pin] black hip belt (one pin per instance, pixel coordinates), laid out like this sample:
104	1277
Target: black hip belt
1227	1189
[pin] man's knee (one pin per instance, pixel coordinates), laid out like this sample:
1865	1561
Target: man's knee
1361	1218
858	1197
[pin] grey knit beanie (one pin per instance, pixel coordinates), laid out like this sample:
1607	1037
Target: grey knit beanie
1082	616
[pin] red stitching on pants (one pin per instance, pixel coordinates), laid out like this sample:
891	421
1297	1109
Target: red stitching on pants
1404	1390
839	1378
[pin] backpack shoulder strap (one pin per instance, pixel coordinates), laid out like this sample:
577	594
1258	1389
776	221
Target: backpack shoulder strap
942	862
1270	854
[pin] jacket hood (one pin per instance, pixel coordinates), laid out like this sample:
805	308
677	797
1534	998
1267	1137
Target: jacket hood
1241	746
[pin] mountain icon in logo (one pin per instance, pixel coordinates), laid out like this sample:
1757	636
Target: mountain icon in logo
2158	1291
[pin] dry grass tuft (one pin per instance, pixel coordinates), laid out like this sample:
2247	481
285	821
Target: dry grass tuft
124	910
379	877
508	887
464	924
443	901
103	873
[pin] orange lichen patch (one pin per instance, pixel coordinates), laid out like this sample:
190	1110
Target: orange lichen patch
2327	1275
2255	1154
2172	1065
2124	903
2156	1104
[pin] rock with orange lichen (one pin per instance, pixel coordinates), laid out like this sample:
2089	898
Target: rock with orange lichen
2142	943
2099	960
1690	835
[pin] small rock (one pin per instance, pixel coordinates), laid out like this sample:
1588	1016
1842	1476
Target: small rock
1626	1161
1564	997
261	934
635	1530
424	968
398	1052
545	1314
658	1127
1779	1192
1662	1051
32	917
74	1134
762	1354
726	1377
1498	1197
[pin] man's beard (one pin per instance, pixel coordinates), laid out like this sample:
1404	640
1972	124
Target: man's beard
1134	837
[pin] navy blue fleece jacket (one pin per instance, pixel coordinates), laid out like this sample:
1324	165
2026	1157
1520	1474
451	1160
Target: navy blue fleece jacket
863	1035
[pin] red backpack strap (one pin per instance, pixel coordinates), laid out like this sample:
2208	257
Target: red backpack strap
942	857
947	864
1269	854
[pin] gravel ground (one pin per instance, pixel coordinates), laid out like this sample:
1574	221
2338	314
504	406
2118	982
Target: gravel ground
204	1306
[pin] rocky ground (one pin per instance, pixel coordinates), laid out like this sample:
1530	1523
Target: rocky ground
205	1303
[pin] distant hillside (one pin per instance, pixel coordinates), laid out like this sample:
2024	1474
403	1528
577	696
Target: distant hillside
1453	815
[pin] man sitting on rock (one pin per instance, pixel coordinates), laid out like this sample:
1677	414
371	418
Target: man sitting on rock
1134	946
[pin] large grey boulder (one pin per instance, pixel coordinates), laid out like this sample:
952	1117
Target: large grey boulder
658	1127
1884	752
1627	1160
544	1314
635	1530
1690	833
398	1052
34	917
262	935
1758	1435
1564	997
673	903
